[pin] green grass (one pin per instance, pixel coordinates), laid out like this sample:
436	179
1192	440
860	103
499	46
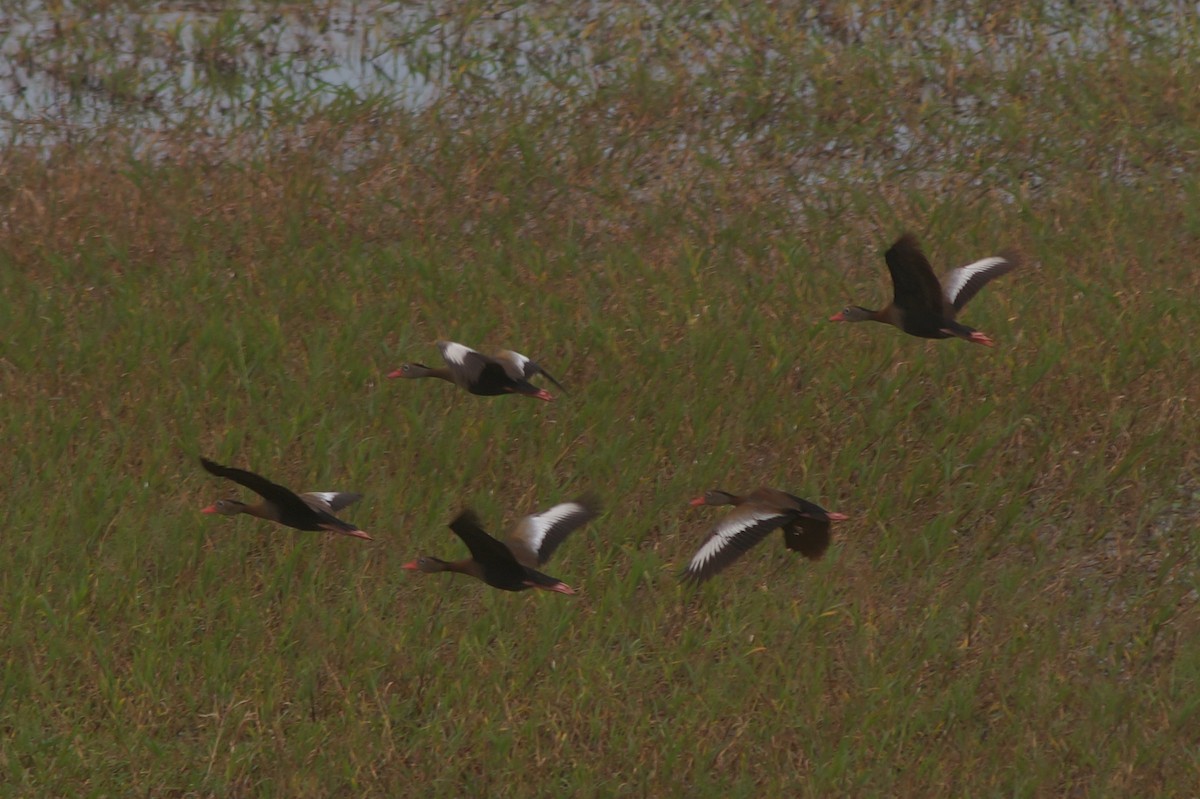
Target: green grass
666	227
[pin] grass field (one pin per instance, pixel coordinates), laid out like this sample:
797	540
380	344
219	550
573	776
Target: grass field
663	207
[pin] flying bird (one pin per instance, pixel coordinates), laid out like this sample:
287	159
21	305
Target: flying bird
311	511
806	528
923	307
507	372
512	565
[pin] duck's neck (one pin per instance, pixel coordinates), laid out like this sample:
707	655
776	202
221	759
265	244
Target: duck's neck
890	315
263	510
857	313
440	372
468	567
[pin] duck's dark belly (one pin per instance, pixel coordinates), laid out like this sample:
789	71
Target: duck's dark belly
927	326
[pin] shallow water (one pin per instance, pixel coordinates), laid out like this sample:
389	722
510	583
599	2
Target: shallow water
70	68
164	64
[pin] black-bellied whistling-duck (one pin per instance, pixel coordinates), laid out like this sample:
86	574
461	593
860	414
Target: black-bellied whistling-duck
921	306
805	528
312	511
510	565
507	372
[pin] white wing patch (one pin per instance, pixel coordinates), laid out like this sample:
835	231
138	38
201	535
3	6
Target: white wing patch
726	533
956	279
330	501
539	524
454	353
520	363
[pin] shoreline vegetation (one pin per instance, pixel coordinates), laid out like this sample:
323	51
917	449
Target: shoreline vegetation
220	230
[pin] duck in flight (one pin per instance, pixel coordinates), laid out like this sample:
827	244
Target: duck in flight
311	511
512	565
921	306
805	525
507	372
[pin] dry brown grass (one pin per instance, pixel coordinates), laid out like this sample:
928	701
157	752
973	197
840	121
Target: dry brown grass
1008	610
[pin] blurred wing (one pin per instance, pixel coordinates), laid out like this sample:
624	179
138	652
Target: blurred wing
809	537
486	550
285	499
914	286
733	536
329	501
965	282
521	367
536	537
550	377
461	358
805	508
